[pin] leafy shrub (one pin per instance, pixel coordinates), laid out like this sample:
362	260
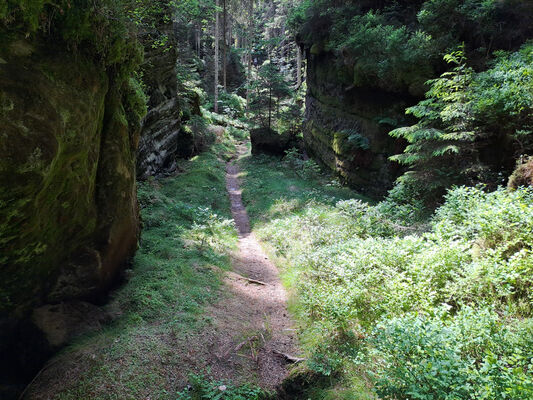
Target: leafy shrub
304	168
499	228
468	356
202	388
483	25
238	134
353	265
393	57
232	104
209	230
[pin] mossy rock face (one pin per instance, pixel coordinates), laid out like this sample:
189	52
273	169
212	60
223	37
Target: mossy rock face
68	209
346	127
522	175
69	219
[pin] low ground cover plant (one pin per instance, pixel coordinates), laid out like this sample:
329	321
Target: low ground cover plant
434	310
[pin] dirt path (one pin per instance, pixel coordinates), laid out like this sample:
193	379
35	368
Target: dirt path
253	322
244	332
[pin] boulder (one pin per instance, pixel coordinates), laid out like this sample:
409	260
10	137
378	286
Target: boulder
61	322
522	175
268	141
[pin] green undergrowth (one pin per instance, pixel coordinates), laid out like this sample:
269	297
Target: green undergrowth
392	309
271	191
187	236
201	388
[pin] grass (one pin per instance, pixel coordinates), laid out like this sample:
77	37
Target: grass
272	191
186	242
388	309
276	195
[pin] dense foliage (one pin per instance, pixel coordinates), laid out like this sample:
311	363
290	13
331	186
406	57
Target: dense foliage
476	119
465	116
204	389
101	28
428	312
396	45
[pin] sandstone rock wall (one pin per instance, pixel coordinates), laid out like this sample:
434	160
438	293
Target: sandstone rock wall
163	137
68	209
346	127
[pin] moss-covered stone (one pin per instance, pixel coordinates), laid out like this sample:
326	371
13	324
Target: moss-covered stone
522	175
48	164
69	129
68	210
346	126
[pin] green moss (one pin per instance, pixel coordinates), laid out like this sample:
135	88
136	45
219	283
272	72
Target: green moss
135	99
186	243
317	48
47	164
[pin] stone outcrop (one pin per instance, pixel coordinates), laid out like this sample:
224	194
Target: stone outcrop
522	175
346	127
69	219
268	141
163	137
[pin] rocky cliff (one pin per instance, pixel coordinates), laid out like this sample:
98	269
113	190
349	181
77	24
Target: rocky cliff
161	131
69	129
164	136
346	127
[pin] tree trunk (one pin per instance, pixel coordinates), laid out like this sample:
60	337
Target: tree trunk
230	31
224	62
198	38
269	108
298	66
217	39
249	43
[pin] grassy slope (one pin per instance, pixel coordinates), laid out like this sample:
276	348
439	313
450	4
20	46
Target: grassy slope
186	232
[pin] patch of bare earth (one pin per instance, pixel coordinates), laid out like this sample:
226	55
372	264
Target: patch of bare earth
248	337
254	318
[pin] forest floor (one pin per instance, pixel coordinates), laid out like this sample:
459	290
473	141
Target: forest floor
259	301
203	307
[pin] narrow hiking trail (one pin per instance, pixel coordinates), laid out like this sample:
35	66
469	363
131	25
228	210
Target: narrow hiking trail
242	337
258	301
251	332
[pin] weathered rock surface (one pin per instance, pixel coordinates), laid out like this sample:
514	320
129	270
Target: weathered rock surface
522	175
68	208
163	139
61	322
268	141
346	127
